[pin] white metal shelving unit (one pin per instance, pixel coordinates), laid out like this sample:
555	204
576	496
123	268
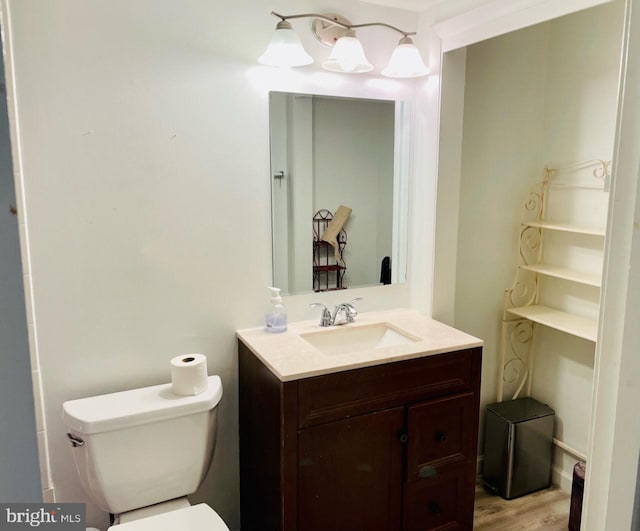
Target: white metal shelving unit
524	304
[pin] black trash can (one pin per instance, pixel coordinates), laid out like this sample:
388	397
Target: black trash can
518	440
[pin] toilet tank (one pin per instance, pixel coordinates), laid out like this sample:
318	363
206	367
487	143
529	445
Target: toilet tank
144	446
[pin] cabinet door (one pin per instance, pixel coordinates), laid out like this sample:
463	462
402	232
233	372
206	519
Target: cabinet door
349	474
441	503
441	460
441	433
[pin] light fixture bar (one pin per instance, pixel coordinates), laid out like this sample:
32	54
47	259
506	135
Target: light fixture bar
345	26
405	33
347	55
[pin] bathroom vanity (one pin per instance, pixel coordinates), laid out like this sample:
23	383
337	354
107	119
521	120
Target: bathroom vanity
371	426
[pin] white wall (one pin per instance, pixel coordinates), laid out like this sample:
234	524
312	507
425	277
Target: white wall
449	166
582	89
532	98
144	135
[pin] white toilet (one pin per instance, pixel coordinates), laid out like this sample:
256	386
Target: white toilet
139	453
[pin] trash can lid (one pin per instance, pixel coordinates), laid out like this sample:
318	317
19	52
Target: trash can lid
520	409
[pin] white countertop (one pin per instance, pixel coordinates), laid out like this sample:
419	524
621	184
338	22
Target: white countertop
290	357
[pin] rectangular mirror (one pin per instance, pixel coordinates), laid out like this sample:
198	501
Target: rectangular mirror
331	152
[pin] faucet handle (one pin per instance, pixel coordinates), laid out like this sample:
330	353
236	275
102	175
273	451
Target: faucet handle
349	310
325	316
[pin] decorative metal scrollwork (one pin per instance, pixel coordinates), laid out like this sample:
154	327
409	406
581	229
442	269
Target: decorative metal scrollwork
530	244
603	170
523	291
516	370
533	206
512	370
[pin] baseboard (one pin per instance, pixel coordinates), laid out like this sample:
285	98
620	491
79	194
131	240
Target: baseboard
562	479
49	495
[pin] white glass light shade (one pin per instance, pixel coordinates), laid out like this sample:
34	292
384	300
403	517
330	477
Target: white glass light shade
406	61
348	56
285	49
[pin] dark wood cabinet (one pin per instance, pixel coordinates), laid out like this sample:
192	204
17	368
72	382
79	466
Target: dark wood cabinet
351	468
385	448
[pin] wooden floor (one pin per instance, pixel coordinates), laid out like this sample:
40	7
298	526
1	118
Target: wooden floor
545	510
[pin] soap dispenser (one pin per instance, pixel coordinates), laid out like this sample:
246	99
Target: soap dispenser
275	319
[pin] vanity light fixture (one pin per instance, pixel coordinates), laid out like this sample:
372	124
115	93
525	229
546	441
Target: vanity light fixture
347	56
285	48
406	61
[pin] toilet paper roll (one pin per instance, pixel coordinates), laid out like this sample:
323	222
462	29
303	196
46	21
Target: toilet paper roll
189	374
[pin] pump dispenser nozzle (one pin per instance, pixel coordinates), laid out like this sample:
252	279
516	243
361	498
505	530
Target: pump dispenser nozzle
275	294
275	319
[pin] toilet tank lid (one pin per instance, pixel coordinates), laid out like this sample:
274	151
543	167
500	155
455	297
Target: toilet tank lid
114	411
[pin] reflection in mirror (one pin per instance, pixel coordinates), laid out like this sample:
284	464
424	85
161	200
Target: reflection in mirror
339	169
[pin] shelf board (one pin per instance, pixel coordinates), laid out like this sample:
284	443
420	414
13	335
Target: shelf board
325	268
565	322
322	243
565	273
594	231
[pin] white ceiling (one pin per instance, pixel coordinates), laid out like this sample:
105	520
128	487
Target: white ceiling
449	8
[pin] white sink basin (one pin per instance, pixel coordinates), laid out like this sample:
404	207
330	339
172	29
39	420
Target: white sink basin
358	338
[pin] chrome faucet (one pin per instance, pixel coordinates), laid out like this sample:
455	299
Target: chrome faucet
325	316
343	313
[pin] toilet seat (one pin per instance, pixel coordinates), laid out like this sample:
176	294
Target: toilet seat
199	517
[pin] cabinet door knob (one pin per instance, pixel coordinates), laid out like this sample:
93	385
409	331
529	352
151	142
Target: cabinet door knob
434	507
404	437
441	437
